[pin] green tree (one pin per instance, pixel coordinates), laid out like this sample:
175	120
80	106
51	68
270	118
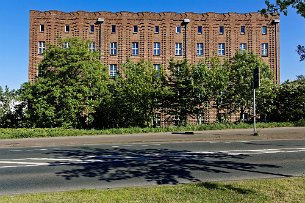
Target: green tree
137	94
181	101
71	85
290	101
239	94
283	5
11	109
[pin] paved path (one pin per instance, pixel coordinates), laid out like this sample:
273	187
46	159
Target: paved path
236	134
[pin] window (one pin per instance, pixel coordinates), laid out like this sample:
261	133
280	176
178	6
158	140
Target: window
113	48
91	28
41	28
113	70
157	29
242	47
178	29
135	48
221	30
41	47
200	30
264	49
92	46
199	49
135	29
156	48
157	67
178	49
264	30
67	28
113	28
242	30
66	45
221	49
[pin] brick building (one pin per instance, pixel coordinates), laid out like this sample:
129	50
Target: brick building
157	37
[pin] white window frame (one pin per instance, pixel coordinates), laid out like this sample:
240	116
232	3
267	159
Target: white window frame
157	67
242	32
157	29
135	29
113	48
67	28
221	29
242	47
135	48
264	49
92	47
157	47
178	49
221	49
113	28
199	29
199	49
264	30
41	47
91	29
41	28
113	70
66	45
178	29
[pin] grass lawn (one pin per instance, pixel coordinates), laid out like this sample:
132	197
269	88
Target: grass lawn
8	133
264	190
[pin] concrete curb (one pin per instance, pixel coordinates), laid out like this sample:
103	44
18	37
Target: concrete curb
284	133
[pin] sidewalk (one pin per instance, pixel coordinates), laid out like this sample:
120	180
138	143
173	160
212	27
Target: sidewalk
293	133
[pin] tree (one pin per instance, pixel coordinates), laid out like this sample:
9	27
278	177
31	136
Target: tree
71	85
11	109
181	100
290	101
283	5
239	96
137	94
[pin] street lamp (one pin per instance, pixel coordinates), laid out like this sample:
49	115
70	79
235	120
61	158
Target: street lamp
185	22
276	22
100	21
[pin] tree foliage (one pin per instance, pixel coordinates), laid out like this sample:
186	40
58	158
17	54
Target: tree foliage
71	85
283	5
11	109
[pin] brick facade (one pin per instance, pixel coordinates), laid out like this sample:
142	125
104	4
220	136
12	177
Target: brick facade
48	27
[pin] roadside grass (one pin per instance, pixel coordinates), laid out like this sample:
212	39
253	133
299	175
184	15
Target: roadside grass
265	190
9	133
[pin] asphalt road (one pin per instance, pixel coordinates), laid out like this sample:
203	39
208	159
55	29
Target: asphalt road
43	169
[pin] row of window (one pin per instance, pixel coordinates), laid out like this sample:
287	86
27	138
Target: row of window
157	48
157	29
113	69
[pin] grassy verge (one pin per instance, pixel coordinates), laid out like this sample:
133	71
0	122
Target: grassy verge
267	190
6	133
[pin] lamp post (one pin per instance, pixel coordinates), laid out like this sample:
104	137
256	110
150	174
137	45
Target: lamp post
185	22
100	21
276	22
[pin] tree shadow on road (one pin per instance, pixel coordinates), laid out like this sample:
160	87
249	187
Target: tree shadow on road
161	166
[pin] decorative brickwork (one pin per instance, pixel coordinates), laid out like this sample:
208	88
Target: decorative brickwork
80	22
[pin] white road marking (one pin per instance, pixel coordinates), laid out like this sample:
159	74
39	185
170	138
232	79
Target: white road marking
32	162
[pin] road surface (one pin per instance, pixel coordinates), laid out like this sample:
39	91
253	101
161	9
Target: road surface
50	168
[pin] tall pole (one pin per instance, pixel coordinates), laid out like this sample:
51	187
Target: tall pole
100	21
254	113
185	22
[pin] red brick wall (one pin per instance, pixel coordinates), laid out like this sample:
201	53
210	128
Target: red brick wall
79	22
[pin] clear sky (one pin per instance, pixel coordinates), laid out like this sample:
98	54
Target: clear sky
14	28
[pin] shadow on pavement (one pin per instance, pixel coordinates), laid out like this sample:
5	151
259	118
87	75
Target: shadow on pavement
161	166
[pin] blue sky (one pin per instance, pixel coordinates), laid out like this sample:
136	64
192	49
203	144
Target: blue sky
14	31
